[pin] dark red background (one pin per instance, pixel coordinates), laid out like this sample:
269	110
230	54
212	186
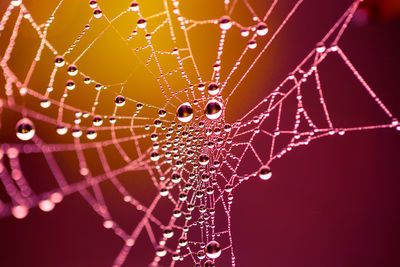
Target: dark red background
333	203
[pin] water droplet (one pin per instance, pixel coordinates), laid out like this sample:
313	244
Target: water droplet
265	173
45	103
203	159
97	13
76	132
91	133
164	192
213	89
175	178
86	80
46	205
182	242
161	252
70	85
162	113
141	23
98	86
225	23
97	121
244	32
185	112
93	4
59	61
157	123
168	233
154	156
213	249
261	29
201	86
134	7
213	109
61	129
252	44
19	211
120	101
25	129
16	2
72	70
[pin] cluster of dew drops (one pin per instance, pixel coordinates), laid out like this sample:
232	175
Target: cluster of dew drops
25	129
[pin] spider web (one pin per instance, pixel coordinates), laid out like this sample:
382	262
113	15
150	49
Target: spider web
195	166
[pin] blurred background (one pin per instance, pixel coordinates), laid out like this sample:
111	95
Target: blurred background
332	203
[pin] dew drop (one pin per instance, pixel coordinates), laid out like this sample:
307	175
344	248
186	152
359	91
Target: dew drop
162	113
45	103
134	7
265	173
213	249
86	80
97	121
16	2
59	61
185	112
154	156
252	44
98	86
261	29
70	85
161	252
61	129
25	129
213	109
19	211
225	23
164	192
72	70
93	4
244	32
141	23
91	134
139	106
203	159
97	13
76	132
168	233
119	101
46	205
213	89
175	178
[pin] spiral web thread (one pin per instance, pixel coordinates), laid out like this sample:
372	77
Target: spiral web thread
202	193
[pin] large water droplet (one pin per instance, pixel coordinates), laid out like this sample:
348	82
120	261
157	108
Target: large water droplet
213	109
203	159
261	29
119	101
225	23
59	61
213	249
185	112
265	173
25	129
